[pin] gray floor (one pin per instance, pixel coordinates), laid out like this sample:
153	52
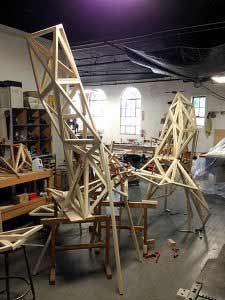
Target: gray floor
81	276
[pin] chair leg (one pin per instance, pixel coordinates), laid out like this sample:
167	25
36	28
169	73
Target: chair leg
28	272
7	275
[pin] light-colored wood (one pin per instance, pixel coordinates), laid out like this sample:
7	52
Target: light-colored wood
5	246
19	159
43	211
55	73
171	243
11	240
169	165
12	211
135	204
182	294
16	210
10	179
124	188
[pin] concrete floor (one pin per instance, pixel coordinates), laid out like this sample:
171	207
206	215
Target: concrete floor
81	276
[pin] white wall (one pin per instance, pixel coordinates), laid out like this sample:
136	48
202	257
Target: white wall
154	104
15	65
14	58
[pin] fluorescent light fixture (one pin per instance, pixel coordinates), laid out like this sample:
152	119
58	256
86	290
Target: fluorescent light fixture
219	79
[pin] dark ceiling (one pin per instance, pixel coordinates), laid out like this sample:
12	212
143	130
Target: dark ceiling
111	24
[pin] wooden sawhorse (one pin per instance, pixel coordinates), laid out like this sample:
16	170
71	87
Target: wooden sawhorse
54	224
143	205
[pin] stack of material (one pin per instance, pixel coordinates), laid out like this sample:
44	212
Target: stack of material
31	100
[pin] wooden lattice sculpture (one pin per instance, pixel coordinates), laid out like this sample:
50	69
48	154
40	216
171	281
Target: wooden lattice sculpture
11	240
19	158
169	165
97	169
46	210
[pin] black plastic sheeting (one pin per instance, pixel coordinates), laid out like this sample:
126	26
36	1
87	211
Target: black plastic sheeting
210	65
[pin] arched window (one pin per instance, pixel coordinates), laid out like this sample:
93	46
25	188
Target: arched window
96	103
130	111
97	99
75	123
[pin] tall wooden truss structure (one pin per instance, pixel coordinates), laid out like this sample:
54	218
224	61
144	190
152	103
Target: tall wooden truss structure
169	165
97	169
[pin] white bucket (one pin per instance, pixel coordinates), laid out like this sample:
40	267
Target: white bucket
37	164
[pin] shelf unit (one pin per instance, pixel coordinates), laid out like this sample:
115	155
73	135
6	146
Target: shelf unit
14	210
31	127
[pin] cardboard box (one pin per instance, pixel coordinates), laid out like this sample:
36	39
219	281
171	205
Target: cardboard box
11	96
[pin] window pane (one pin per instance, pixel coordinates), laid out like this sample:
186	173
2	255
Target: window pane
123	121
133	121
127	112
197	112
123	112
138	130
202	102
138	114
202	112
123	103
200	108
138	103
196	101
127	131
130	112
200	121
96	103
132	130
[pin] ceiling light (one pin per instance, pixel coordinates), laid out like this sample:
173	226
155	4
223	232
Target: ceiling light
219	79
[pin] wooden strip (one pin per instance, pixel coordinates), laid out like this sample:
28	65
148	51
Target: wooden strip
10	180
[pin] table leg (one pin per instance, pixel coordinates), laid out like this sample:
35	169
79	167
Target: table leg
1	225
145	244
29	273
43	252
7	275
107	250
53	254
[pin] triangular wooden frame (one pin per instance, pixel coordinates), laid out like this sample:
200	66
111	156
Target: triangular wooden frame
43	211
167	163
19	157
11	240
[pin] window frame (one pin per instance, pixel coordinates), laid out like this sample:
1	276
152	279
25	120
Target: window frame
126	113
198	117
100	102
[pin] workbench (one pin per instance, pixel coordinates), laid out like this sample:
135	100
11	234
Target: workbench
7	180
133	148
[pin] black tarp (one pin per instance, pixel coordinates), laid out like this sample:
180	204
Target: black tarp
210	65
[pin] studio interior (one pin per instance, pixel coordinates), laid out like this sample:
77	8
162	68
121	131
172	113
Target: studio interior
112	150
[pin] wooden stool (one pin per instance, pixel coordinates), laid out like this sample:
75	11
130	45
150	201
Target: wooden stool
7	277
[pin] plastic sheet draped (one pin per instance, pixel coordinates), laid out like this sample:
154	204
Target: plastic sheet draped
209	171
